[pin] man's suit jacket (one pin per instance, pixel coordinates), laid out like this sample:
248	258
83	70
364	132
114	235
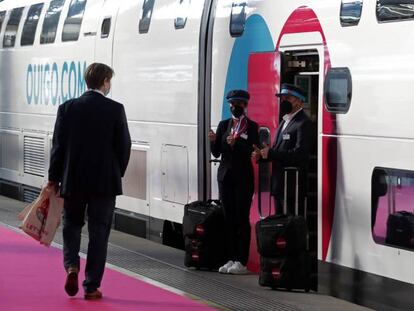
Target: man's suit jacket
238	157
291	148
91	146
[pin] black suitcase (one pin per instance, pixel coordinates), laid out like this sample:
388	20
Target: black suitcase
201	219
400	229
283	243
202	255
281	235
203	229
290	272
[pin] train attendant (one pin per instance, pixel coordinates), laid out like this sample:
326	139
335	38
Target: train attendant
291	147
234	142
90	153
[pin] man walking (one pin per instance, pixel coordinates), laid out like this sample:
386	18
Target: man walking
90	153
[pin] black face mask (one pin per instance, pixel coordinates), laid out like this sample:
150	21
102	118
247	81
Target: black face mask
237	111
285	107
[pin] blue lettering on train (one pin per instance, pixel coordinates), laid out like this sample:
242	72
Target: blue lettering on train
53	84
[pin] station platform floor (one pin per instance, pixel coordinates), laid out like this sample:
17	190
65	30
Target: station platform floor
140	275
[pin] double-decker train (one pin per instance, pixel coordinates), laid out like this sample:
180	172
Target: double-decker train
174	62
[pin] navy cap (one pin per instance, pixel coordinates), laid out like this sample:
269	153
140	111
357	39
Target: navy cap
290	89
239	95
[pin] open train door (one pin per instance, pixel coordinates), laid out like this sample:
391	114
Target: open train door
266	72
263	83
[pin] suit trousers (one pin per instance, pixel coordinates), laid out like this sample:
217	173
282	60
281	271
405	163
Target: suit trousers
236	196
100	211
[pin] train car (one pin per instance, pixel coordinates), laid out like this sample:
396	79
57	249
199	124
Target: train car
174	62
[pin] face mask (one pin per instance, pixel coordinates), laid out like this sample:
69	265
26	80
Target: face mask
237	111
285	107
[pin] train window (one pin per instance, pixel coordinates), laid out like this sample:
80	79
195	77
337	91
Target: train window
30	25
144	22
106	27
392	217
9	38
181	19
51	21
2	16
238	19
351	12
73	22
338	90
394	10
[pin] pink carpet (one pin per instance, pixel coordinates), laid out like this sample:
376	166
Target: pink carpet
32	278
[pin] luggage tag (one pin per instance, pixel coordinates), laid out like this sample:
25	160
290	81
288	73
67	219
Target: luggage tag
286	136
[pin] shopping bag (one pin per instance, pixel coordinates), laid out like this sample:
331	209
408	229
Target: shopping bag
52	221
41	218
35	214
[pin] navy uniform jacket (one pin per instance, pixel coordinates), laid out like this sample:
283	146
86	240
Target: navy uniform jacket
91	146
238	158
291	148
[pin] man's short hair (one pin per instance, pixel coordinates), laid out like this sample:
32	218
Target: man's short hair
96	74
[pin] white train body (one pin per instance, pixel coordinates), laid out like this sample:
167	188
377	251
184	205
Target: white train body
172	83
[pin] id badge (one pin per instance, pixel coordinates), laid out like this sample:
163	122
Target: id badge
244	136
286	136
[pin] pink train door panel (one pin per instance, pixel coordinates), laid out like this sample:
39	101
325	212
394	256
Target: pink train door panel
263	83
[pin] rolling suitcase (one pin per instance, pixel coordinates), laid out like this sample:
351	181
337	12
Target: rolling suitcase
203	229
282	242
400	229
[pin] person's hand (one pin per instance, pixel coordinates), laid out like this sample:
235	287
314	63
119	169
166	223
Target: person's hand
53	185
256	154
231	140
265	152
211	136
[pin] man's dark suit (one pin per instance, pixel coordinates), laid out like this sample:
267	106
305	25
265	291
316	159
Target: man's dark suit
291	148
91	146
90	153
236	185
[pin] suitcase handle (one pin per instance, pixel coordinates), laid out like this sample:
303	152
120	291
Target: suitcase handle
264	138
217	202
391	196
296	171
259	200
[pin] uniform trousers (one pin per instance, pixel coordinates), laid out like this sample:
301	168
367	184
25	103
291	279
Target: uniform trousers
236	196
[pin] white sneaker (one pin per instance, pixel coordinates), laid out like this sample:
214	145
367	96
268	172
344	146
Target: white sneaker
237	268
225	268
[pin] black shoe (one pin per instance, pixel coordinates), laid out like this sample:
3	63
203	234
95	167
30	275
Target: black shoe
71	285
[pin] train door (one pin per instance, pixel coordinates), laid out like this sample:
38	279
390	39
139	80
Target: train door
105	32
303	68
267	71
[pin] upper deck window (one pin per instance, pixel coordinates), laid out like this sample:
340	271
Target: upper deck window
2	16
338	90
395	10
351	11
238	19
106	27
9	38
181	19
145	21
73	21
30	25
51	21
